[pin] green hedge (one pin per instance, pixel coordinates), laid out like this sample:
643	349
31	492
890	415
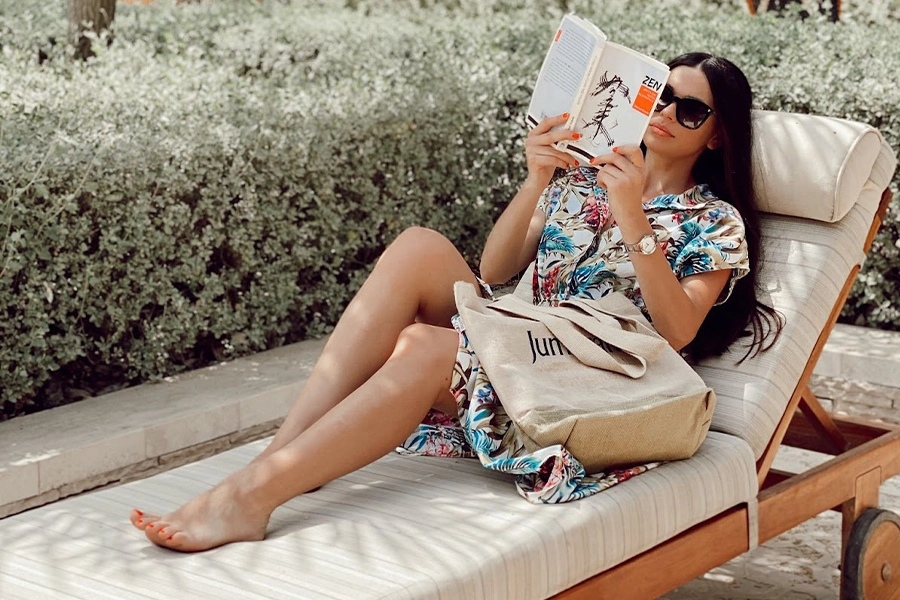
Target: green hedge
221	178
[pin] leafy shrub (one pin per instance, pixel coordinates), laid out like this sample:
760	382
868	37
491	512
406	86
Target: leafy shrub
221	179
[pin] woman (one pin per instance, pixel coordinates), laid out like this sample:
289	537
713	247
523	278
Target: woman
405	351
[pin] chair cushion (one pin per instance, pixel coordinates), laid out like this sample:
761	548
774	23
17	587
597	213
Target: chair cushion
804	266
403	527
810	166
805	261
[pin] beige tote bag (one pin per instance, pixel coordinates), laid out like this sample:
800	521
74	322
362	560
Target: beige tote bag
591	375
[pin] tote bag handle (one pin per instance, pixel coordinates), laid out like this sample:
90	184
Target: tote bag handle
594	335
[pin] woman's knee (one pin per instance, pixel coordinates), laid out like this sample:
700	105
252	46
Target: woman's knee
421	241
423	264
420	250
427	341
415	337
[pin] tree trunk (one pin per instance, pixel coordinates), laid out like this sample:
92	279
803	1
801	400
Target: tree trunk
832	8
88	15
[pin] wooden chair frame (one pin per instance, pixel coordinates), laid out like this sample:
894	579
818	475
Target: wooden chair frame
865	455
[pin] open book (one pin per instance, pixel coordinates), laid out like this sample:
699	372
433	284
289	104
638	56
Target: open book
608	90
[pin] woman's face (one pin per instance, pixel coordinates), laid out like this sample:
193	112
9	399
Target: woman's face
665	135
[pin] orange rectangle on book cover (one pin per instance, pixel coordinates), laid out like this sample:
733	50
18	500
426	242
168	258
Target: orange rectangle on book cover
558	33
645	101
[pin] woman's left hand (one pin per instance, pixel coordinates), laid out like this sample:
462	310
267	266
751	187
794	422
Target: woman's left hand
622	174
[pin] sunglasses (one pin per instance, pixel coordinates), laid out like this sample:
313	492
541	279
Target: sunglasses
689	112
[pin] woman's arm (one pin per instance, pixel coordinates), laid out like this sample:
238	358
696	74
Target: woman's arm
677	308
513	240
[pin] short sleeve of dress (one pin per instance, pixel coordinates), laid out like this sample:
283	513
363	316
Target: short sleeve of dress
714	239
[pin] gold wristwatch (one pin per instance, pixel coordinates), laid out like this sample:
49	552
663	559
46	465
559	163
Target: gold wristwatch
646	245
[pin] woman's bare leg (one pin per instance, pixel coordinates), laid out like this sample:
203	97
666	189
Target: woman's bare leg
412	281
370	422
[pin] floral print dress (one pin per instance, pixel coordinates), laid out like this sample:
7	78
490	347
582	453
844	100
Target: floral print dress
580	255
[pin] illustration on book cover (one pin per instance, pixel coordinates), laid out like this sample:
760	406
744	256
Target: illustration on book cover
607	95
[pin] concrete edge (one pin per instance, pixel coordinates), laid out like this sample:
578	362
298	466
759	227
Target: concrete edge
149	428
863	354
144	468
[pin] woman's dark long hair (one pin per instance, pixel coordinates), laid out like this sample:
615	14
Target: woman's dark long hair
728	172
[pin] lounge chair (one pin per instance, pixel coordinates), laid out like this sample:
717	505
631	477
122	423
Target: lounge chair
417	527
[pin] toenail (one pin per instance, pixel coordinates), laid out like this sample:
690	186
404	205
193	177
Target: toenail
140	521
139	513
169	539
150	526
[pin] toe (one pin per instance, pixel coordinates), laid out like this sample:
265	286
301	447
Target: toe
141	520
176	540
164	531
159	529
169	536
158	532
151	530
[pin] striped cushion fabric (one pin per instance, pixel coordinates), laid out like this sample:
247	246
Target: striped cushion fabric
805	265
403	527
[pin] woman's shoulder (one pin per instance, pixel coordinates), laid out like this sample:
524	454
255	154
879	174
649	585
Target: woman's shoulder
699	202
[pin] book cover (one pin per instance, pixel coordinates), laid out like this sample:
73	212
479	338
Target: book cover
610	91
622	93
575	46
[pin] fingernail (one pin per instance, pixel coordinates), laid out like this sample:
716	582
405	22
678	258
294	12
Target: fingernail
615	148
576	136
565	115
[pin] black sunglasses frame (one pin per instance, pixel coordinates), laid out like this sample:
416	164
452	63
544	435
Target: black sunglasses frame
685	109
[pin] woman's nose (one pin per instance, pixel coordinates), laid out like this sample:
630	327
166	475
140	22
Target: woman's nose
669	111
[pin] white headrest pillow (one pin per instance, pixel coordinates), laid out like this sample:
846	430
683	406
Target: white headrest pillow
811	166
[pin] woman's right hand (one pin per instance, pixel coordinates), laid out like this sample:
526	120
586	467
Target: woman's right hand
540	155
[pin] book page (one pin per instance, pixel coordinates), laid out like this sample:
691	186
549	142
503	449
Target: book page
621	97
564	68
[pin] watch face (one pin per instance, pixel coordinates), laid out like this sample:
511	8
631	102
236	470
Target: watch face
648	245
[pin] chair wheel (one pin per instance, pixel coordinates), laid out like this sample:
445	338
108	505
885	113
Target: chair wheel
871	569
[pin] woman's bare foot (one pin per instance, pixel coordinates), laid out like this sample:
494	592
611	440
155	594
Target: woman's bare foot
219	516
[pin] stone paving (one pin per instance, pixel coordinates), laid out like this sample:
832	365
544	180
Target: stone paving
858	398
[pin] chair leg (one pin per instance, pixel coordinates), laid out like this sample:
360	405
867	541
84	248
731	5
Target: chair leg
821	420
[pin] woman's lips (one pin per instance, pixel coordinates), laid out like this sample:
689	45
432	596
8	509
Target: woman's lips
660	130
